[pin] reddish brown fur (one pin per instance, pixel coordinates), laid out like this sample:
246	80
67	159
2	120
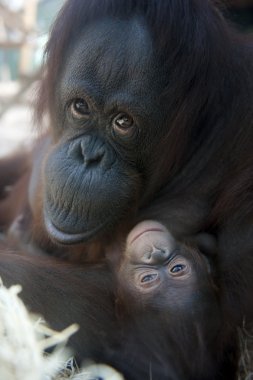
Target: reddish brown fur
12	168
203	178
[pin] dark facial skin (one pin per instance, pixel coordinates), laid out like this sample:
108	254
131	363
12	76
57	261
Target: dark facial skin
103	137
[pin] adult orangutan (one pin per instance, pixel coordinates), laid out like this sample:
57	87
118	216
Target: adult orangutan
151	117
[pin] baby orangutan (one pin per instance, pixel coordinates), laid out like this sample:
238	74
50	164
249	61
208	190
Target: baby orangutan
167	290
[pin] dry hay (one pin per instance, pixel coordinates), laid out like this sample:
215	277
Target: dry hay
24	339
246	359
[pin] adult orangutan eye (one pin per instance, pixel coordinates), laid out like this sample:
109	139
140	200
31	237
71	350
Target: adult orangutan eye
123	123
79	108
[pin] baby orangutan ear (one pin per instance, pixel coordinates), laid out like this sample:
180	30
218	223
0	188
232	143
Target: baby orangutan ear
206	244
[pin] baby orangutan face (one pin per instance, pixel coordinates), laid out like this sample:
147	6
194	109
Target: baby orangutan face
164	273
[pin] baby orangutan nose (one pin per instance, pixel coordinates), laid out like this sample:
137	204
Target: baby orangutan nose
150	243
159	255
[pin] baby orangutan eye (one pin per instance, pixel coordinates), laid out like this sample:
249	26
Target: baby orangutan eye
179	267
149	277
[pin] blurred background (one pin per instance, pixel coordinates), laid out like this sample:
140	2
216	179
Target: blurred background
24	28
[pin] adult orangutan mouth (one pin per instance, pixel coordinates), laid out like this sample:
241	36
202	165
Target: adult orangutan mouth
67	238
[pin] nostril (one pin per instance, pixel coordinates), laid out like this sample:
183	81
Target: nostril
93	157
92	150
87	151
75	151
